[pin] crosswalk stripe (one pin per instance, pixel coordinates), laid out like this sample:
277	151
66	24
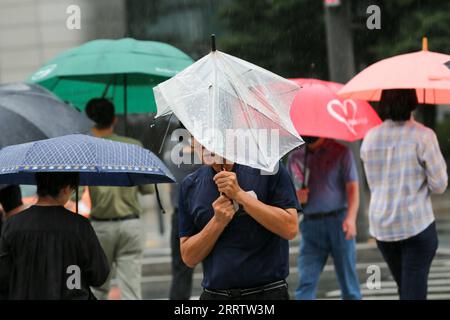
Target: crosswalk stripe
389	291
439	275
438	296
436	267
440	269
438	283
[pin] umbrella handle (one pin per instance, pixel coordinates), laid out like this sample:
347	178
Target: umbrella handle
222	194
76	199
158	199
161	211
222	167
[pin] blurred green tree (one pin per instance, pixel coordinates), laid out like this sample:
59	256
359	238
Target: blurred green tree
288	36
403	24
284	36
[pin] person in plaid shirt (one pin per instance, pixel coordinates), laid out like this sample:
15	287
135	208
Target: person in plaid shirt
404	165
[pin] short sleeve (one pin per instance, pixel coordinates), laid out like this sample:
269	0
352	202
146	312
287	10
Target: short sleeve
185	220
281	190
147	189
434	163
348	164
367	141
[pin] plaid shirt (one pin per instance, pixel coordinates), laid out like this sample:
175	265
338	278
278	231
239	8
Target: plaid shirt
403	165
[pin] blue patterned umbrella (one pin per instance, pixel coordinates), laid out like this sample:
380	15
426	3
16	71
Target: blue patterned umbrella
100	162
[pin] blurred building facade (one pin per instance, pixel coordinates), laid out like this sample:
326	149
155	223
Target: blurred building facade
34	31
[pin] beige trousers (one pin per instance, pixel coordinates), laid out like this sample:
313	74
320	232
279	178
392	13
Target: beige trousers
123	245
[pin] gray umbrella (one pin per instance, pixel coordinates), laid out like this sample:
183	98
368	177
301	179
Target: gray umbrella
28	112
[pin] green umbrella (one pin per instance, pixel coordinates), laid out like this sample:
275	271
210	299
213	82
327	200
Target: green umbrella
124	71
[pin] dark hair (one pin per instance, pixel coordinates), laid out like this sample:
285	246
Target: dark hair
397	104
51	183
101	111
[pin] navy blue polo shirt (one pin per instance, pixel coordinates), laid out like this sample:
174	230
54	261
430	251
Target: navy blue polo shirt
246	254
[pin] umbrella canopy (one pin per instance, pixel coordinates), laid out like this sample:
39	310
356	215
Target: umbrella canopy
29	112
318	111
125	71
100	162
423	70
234	108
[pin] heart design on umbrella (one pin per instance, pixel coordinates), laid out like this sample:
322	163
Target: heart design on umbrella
345	112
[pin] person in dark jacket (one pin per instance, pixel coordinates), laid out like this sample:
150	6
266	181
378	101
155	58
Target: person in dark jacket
48	252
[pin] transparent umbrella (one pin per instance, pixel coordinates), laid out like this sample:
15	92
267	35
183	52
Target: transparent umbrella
235	109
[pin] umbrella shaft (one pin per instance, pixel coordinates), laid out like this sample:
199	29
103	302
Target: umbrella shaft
125	107
76	200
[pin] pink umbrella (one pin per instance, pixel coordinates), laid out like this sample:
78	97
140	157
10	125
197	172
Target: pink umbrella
424	71
318	111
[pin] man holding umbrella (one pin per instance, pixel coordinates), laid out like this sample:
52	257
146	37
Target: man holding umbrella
234	218
115	213
326	179
238	223
330	205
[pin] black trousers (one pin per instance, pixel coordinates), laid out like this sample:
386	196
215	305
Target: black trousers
181	287
409	262
275	294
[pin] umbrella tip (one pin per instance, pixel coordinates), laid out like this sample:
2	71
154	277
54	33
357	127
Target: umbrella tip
424	44
213	42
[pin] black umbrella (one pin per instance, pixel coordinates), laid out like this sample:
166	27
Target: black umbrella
28	112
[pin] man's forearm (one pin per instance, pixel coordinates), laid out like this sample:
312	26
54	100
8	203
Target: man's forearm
196	248
352	210
279	221
353	200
